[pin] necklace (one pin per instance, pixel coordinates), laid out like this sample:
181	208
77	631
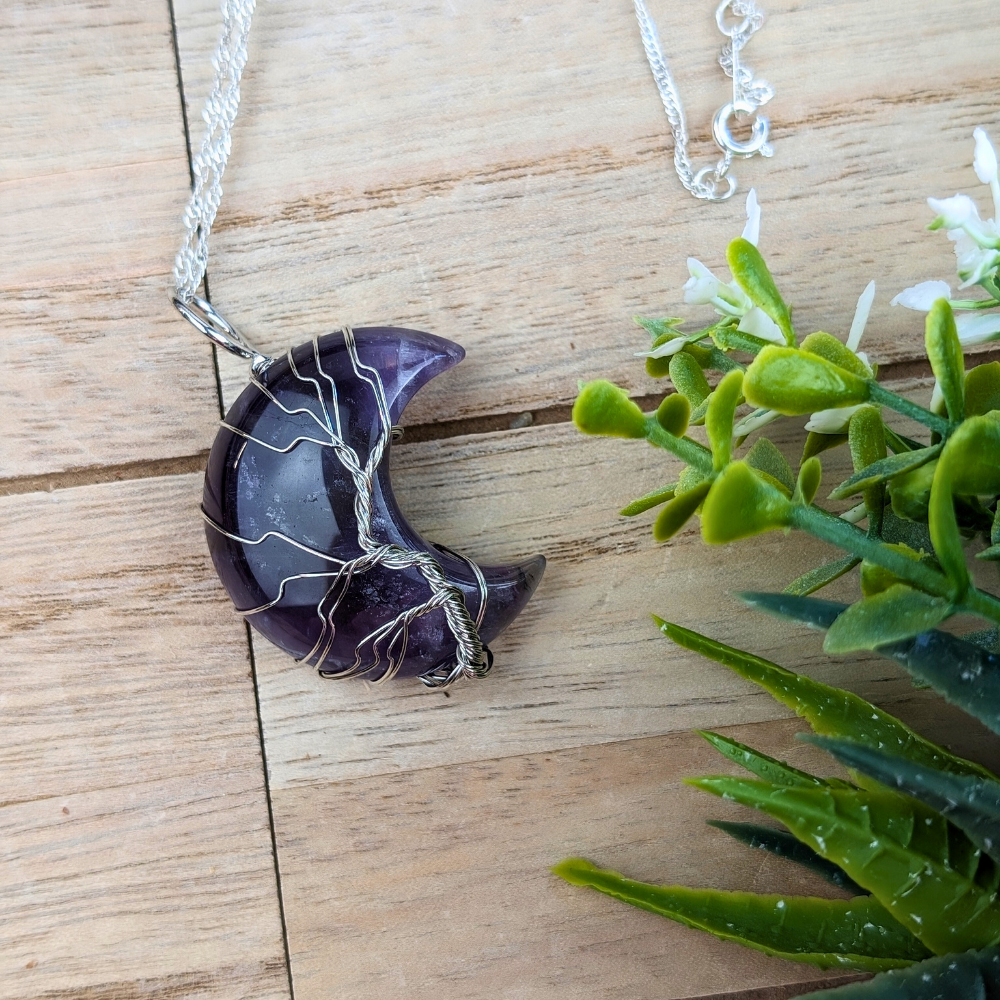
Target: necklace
714	183
300	516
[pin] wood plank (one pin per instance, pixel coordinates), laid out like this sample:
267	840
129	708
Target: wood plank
137	850
583	664
435	883
100	370
390	167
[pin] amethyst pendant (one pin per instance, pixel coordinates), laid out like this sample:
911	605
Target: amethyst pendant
283	518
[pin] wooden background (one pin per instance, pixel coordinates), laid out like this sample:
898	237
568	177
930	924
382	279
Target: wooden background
185	814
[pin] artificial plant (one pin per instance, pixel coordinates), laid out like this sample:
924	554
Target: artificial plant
914	835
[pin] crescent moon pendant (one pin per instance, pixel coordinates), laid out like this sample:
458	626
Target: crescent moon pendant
282	523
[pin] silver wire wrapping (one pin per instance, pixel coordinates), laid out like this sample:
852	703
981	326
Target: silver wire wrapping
473	659
748	95
208	166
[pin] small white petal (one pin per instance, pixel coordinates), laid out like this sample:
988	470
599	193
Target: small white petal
758	323
977	328
665	350
751	231
985	159
861	316
956	212
833	421
937	399
856	513
922	296
703	286
754	421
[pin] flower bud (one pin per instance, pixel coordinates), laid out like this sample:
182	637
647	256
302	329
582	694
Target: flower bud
985	159
793	382
603	408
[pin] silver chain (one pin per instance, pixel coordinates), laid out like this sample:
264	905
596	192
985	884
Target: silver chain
714	183
209	163
473	658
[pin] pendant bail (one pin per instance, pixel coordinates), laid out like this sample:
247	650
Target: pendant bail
203	317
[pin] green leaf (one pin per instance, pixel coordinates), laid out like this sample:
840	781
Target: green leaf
673	414
899	612
875	578
794	382
653	499
911	491
969	464
678	512
899	443
866	438
974	975
971	803
728	338
965	674
818	578
945	354
688	378
982	389
829	710
765	457
775	771
753	276
658	327
740	504
810	476
604	408
884	469
848	934
816	444
784	845
719	418
918	866
827	346
911	533
660	367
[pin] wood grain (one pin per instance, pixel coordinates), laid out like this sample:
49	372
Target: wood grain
93	177
583	664
137	853
435	883
389	167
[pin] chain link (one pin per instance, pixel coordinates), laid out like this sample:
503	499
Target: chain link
209	163
713	183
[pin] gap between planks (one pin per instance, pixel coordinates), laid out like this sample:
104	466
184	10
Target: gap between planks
438	431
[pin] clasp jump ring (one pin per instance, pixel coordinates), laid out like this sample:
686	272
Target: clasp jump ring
757	143
204	318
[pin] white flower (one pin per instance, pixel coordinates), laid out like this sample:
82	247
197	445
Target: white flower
954	213
666	350
977	328
704	288
922	296
759	324
751	231
835	421
985	159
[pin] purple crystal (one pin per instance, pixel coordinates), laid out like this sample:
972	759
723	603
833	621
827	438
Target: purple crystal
303	494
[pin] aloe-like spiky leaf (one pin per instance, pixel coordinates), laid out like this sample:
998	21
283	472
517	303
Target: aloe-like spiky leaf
845	933
883	470
783	845
966	674
972	804
775	771
974	975
922	870
829	710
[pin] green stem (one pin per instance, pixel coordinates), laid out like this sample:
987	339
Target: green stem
885	397
685	449
838	532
